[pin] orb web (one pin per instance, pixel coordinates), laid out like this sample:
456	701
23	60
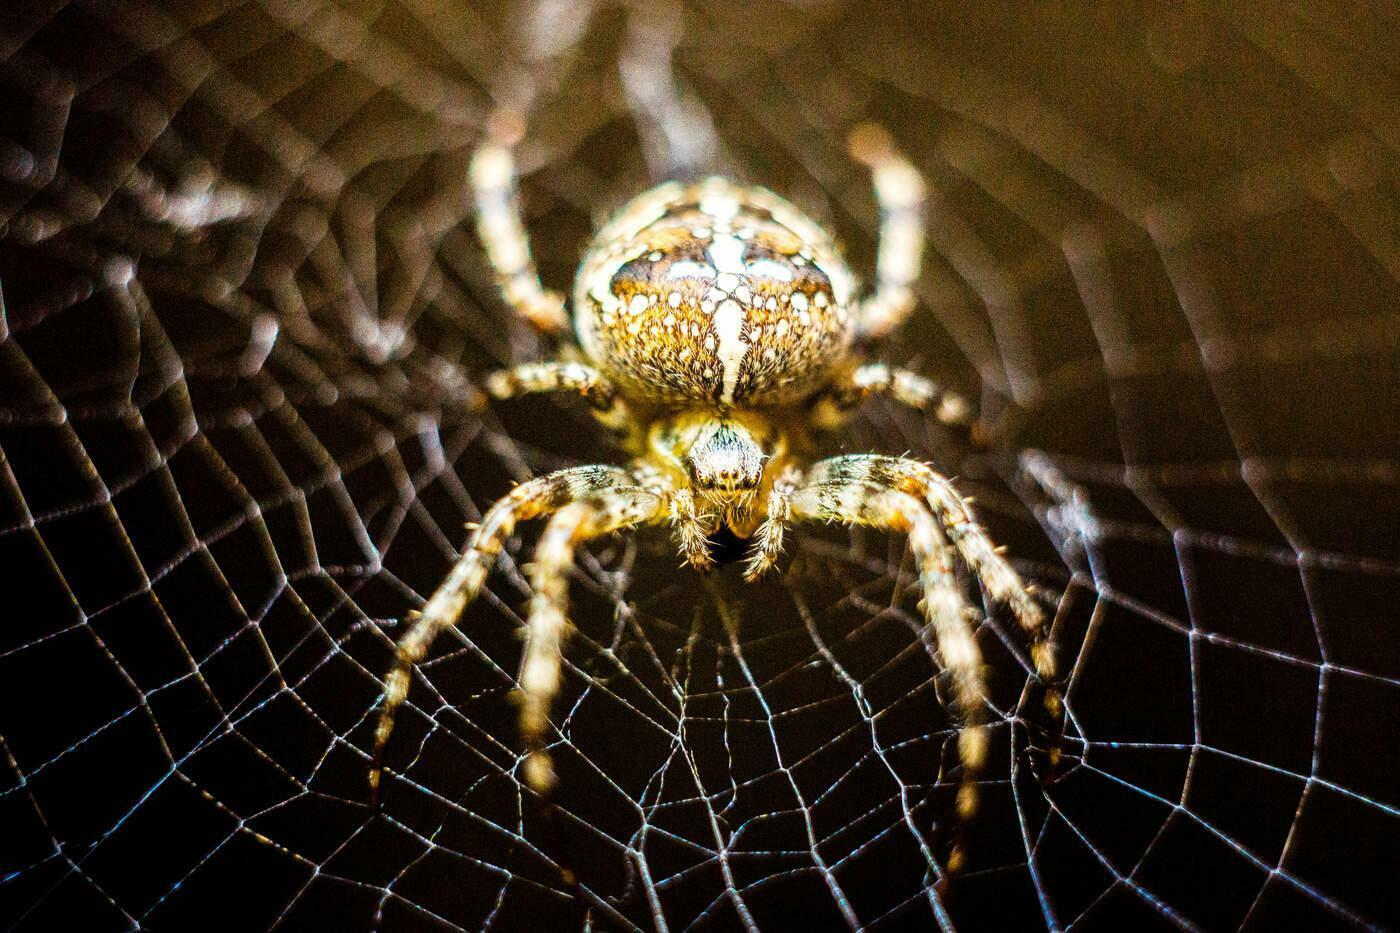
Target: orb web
243	321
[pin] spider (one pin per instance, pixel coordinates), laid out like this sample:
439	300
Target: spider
719	333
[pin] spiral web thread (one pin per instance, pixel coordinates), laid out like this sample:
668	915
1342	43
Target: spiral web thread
243	316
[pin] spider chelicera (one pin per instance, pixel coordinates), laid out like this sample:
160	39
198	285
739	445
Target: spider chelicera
720	334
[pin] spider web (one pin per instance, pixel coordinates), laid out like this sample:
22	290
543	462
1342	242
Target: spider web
243	316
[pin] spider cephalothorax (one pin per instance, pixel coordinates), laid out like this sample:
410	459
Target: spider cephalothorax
719	333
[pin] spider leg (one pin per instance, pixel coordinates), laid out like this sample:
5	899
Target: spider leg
899	188
692	529
536	497
501	230
899	384
768	541
690	526
606	511
857	501
553	376
955	514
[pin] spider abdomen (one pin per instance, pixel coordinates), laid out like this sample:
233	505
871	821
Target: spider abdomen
714	293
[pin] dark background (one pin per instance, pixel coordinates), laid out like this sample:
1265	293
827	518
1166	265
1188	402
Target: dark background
242	317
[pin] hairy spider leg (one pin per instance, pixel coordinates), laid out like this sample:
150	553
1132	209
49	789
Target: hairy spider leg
502	232
531	499
768	540
553	376
954	513
862	502
606	511
833	405
899	189
691	527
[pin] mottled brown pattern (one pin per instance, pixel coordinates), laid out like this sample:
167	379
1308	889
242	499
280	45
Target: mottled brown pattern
666	349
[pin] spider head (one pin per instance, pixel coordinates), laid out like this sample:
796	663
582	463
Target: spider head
725	463
722	455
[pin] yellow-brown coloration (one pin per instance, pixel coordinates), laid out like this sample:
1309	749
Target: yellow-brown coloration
714	293
719	335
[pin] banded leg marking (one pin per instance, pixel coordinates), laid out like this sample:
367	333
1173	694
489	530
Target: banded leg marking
861	502
553	376
607	511
768	541
502	231
531	499
903	386
955	514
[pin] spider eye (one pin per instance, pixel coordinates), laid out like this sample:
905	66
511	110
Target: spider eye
725	460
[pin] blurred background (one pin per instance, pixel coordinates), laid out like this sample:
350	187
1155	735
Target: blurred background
242	318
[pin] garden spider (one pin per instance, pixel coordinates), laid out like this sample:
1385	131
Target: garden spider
718	330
